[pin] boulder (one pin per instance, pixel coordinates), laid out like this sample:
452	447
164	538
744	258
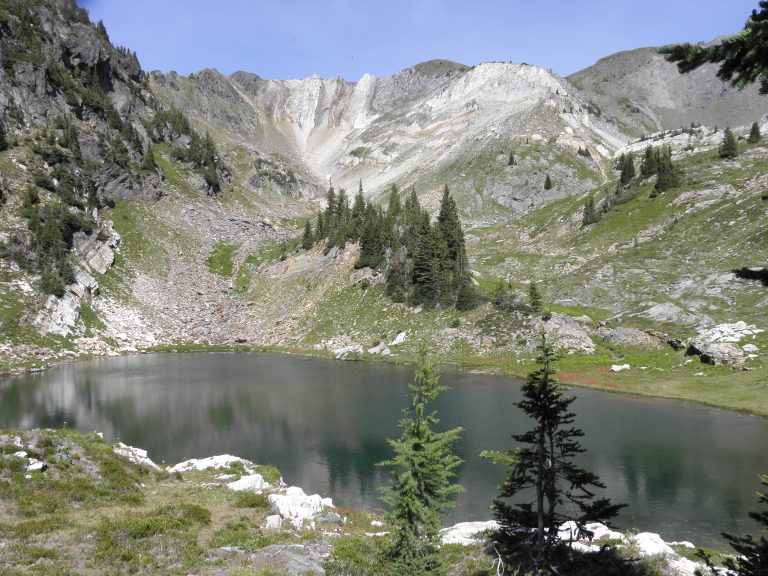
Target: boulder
717	353
566	333
466	533
215	462
85	285
330	518
136	455
252	482
668	312
399	339
719	345
292	559
380	349
630	337
620	367
59	315
35	466
342	353
650	544
294	505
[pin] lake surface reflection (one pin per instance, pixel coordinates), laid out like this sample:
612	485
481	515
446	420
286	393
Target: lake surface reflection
686	471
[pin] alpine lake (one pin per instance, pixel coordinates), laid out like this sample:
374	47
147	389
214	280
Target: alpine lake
686	471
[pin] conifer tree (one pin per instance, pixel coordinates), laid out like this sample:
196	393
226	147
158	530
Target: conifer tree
412	215
650	163
431	269
320	227
546	485
627	168
754	134
667	175
547	183
467	297
394	206
371	239
728	147
742	56
101	29
330	209
534	298
450	226
421	486
591	215
73	142
343	217
3	138
307	240
511	159
358	213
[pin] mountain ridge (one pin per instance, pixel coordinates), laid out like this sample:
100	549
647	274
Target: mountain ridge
192	192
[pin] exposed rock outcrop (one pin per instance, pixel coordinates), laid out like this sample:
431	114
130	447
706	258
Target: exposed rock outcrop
719	345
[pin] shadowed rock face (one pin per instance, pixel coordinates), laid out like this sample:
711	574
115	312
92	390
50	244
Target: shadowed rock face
643	93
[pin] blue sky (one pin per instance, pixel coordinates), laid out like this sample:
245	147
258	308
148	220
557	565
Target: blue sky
298	38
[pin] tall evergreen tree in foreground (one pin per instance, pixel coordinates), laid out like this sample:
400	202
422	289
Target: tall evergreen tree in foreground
547	486
728	147
421	486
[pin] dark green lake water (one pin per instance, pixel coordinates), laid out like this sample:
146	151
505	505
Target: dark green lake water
686	471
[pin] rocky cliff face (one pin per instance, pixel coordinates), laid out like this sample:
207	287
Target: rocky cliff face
433	123
642	93
442	122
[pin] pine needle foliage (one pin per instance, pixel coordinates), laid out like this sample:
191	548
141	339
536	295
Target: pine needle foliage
425	263
743	57
544	486
421	486
728	147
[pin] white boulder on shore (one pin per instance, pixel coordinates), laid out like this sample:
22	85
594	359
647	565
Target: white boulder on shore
466	533
252	482
213	462
294	505
136	455
646	543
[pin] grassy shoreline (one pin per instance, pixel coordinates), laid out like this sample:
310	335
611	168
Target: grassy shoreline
715	386
95	509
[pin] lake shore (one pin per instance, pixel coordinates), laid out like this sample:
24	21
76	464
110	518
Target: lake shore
216	511
716	386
